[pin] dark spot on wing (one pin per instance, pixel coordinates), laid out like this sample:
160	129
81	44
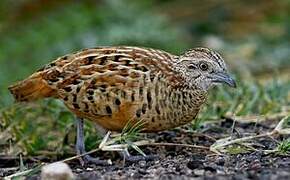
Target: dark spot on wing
108	110
127	62
117	57
123	94
157	109
65	98
141	68
138	113
91	98
140	91
149	98
78	89
144	107
76	106
103	60
76	82
133	97
90	92
67	89
117	102
90	59
74	98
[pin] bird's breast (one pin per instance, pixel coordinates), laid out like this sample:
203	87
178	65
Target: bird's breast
158	105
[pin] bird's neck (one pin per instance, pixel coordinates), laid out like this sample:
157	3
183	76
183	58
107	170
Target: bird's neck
190	98
185	103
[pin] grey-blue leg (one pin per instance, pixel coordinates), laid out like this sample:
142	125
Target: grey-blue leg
80	146
133	159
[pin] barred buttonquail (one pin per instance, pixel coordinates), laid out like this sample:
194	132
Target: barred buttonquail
113	85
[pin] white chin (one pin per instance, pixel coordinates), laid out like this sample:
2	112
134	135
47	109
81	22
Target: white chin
215	84
207	86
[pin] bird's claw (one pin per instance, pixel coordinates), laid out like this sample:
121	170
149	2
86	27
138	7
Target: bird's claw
86	159
134	159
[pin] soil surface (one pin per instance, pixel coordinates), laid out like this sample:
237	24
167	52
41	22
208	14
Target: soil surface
248	161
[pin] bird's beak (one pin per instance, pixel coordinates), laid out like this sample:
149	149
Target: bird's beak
222	77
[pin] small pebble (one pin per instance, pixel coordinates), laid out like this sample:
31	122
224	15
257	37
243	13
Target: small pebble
56	171
142	163
210	168
194	164
220	161
78	170
199	172
89	169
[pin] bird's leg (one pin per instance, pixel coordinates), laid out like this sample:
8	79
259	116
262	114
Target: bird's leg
124	153
133	159
80	146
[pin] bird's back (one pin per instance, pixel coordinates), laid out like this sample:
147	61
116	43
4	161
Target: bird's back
114	85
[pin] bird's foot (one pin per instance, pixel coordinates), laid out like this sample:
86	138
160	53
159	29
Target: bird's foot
86	159
80	148
137	158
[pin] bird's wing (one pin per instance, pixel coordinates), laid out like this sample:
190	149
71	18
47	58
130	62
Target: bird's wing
110	64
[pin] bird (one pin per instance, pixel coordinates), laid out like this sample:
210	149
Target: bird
112	85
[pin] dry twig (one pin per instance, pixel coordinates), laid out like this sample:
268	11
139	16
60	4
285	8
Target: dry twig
220	144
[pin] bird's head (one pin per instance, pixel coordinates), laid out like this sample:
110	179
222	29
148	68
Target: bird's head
204	68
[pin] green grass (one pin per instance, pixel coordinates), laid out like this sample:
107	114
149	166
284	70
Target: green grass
250	97
284	147
237	149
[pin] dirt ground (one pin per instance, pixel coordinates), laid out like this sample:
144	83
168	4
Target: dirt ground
188	163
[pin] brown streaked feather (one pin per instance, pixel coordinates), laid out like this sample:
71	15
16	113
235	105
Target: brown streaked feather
113	85
33	88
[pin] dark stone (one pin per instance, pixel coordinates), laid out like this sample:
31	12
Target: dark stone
194	164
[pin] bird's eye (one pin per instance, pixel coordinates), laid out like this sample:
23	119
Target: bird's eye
203	66
191	67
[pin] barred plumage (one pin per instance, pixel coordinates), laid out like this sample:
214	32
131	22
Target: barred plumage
113	85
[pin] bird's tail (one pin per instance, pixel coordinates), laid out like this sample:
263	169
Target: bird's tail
32	88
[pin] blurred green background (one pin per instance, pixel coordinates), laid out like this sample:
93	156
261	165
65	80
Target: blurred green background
252	35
